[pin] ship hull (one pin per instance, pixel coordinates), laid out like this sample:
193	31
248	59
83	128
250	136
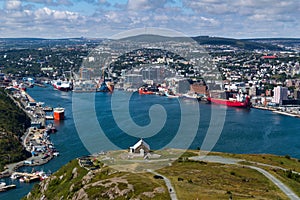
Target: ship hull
59	113
61	85
229	103
143	91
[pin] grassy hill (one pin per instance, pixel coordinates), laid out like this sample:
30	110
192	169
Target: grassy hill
246	44
13	123
191	179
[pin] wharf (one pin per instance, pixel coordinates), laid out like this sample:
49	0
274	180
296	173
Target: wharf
36	138
277	111
28	97
33	139
7	187
28	178
40	85
49	117
47	109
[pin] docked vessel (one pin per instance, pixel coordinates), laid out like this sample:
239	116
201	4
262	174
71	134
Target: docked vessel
192	96
105	87
59	113
168	93
61	85
148	89
237	100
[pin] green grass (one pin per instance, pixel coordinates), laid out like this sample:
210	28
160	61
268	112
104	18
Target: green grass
104	182
60	188
280	161
193	180
291	180
13	123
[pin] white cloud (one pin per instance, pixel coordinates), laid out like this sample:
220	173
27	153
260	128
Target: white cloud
239	18
52	2
13	4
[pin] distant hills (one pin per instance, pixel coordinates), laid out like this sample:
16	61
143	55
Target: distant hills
246	44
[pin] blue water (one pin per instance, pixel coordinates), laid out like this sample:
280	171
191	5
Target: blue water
254	131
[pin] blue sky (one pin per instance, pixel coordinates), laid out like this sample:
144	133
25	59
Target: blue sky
104	18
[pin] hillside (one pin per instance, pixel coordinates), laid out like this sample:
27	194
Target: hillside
13	123
91	178
245	44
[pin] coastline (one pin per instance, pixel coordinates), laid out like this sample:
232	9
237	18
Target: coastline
32	134
274	110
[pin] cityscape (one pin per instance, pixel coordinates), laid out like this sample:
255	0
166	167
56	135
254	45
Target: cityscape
149	99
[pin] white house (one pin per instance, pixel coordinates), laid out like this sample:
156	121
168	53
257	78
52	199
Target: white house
140	147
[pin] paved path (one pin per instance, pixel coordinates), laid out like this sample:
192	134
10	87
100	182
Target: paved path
219	159
168	184
277	182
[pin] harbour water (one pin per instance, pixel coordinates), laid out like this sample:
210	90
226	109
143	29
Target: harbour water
254	131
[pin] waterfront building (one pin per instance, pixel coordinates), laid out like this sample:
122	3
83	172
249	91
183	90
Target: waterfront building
198	88
280	94
134	80
178	84
86	73
252	91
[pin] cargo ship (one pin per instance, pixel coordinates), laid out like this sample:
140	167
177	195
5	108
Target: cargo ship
105	86
238	100
59	113
61	85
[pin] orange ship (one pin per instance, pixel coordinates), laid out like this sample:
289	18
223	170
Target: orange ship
59	113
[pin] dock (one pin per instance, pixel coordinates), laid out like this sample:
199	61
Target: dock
277	111
285	113
7	187
28	177
49	117
30	99
47	109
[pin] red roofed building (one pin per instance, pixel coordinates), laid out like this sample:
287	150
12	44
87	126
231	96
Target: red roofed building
269	57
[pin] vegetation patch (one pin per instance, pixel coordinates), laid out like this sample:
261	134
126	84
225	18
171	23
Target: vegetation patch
13	124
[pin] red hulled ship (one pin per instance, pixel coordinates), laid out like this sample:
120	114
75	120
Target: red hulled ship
238	100
59	113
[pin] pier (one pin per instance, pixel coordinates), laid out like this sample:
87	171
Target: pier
7	187
27	177
277	111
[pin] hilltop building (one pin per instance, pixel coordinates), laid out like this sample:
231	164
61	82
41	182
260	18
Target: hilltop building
141	147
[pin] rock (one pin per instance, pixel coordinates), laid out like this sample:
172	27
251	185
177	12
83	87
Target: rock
81	194
74	172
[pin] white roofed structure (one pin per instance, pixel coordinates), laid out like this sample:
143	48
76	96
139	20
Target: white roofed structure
140	147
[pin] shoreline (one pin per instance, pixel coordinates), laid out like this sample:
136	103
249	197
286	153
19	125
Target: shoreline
274	110
29	137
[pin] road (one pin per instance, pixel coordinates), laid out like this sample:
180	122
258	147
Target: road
168	184
218	159
277	182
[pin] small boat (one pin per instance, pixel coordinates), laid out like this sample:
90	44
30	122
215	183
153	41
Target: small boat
51	128
14	176
143	90
56	154
192	96
170	94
